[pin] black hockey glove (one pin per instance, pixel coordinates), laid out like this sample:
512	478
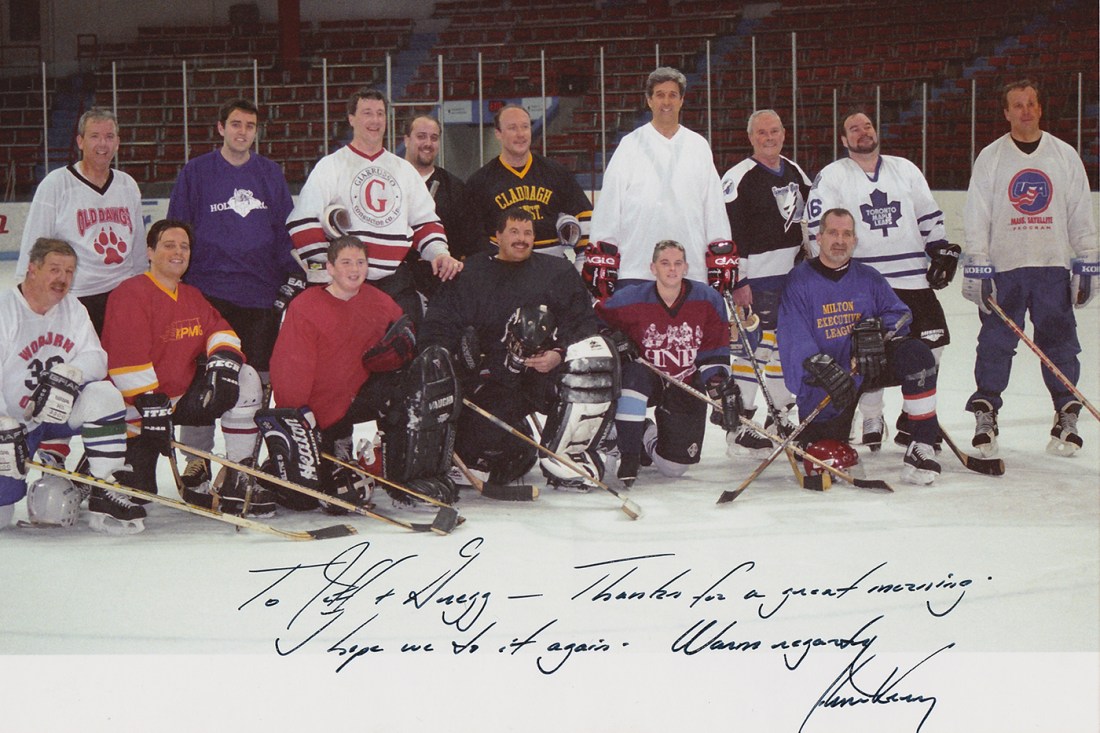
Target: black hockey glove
869	349
723	388
945	260
469	351
395	349
624	346
289	290
57	390
13	448
156	420
221	389
823	371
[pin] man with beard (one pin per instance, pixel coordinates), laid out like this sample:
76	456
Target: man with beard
899	232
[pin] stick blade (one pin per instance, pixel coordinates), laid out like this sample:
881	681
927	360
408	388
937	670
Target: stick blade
873	485
986	466
728	496
328	533
817	482
446	519
631	509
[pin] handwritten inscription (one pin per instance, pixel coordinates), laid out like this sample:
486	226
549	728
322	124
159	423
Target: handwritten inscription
363	603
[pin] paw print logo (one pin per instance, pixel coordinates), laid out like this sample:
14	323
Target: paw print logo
110	246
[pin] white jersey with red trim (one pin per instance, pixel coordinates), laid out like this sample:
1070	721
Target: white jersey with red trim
389	207
104	226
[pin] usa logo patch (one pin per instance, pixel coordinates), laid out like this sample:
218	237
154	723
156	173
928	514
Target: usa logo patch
1030	191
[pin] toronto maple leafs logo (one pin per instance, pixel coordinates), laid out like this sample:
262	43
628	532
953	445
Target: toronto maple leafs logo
881	214
790	203
1029	191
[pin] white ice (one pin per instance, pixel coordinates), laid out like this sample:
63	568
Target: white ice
179	629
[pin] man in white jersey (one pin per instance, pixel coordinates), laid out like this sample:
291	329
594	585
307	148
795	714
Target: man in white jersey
1030	247
900	232
54	387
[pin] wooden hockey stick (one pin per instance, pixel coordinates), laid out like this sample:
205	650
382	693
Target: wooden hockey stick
987	466
511	492
363	472
818	482
337	530
1043	358
631	509
862	483
443	523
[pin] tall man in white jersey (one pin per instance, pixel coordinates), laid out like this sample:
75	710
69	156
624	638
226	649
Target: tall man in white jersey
900	232
1031	247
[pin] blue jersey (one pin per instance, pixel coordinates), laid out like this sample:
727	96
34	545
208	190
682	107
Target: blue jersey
241	251
693	333
816	315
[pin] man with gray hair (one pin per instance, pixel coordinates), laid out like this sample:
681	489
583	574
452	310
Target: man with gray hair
766	203
96	209
660	184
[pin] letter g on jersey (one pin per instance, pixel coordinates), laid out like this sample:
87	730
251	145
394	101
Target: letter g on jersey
376	196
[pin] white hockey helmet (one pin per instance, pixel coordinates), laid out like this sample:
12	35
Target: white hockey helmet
53	500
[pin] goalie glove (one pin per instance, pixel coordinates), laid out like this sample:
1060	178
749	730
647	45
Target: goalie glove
57	390
869	349
722	388
978	285
569	229
1082	282
722	262
155	409
13	448
823	371
288	291
221	388
600	270
394	350
945	260
527	330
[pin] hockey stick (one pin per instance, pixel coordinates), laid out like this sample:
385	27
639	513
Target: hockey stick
872	484
443	523
1043	358
518	492
728	496
987	466
336	530
363	472
631	509
818	482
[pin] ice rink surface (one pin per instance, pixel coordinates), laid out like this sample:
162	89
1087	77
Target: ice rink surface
970	605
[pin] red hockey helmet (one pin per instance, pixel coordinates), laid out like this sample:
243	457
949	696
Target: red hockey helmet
836	453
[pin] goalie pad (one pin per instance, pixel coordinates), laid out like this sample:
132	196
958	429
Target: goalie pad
57	390
294	452
420	428
589	387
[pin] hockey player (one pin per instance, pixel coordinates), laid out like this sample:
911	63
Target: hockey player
96	209
766	203
1031	247
661	183
679	326
523	327
517	177
900	232
835	311
158	329
54	386
335	365
237	203
364	190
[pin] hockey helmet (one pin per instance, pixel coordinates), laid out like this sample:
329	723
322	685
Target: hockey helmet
52	500
527	330
835	453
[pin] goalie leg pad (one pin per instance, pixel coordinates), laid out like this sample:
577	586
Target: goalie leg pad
681	424
420	426
294	451
573	430
591	372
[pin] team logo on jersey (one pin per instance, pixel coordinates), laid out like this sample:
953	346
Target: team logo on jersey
673	351
790	203
881	214
111	246
242	202
1030	191
376	196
